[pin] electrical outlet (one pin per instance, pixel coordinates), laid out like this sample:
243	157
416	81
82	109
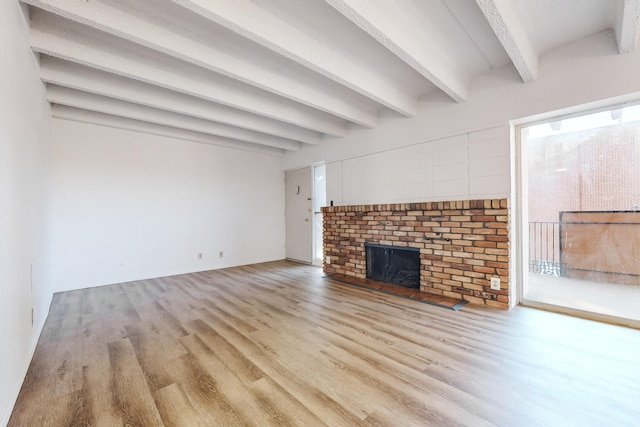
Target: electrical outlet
199	255
328	260
495	283
221	254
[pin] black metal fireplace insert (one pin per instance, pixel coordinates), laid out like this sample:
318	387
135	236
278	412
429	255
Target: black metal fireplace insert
392	264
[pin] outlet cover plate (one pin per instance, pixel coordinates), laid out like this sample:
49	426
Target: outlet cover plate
495	283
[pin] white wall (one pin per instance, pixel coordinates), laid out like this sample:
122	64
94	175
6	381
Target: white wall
429	150
467	166
129	205
24	168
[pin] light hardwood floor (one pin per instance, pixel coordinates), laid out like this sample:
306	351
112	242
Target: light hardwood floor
277	344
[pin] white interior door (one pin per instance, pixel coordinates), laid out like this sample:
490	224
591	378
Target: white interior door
299	214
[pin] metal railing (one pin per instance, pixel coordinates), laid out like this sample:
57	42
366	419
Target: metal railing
544	248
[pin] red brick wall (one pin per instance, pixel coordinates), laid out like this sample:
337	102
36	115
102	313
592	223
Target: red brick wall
589	171
462	243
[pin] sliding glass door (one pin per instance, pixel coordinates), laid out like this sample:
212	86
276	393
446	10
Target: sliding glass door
579	214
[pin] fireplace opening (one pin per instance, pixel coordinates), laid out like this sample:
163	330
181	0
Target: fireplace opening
390	264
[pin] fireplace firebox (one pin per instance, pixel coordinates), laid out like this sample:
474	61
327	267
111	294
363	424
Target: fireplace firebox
392	264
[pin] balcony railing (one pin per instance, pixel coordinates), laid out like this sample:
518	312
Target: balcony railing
544	248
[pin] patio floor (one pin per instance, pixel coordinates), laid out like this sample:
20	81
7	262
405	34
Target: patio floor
604	298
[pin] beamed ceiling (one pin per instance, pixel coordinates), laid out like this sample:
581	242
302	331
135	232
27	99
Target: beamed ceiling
275	75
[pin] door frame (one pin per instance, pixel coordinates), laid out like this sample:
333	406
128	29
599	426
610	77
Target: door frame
314	197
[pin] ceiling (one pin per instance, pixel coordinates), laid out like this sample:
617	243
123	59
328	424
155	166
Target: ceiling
276	75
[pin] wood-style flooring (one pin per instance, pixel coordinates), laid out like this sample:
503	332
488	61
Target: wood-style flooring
278	344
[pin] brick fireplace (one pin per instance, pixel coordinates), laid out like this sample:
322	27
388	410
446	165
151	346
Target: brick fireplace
462	244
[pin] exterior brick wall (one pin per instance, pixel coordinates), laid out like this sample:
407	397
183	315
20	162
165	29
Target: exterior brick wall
579	173
463	244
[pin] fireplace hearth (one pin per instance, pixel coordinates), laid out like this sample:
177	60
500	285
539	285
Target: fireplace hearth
395	265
